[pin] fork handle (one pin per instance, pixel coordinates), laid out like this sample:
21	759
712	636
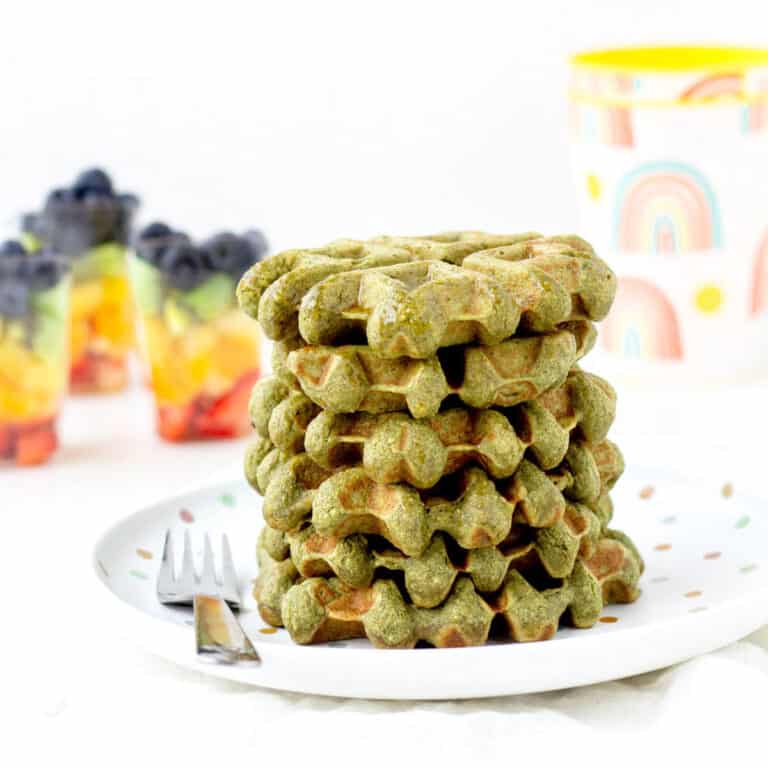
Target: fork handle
218	634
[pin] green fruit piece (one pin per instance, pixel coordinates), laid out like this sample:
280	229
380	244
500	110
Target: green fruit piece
50	322
14	331
107	259
54	302
49	338
30	242
177	319
211	298
147	282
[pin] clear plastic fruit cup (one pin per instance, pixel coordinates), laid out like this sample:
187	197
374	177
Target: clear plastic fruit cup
102	321
201	351
90	222
34	353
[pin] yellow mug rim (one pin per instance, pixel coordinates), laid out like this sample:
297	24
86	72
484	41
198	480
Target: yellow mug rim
665	59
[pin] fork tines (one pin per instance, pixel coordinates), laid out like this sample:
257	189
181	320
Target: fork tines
182	589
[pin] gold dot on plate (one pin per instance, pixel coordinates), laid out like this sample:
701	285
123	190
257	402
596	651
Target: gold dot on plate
727	490
268	630
709	298
663	547
609	619
712	555
693	593
698	609
144	553
647	492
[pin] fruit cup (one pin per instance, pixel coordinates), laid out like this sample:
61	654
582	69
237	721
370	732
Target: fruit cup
202	353
90	223
34	298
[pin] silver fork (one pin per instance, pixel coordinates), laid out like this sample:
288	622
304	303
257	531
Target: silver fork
218	635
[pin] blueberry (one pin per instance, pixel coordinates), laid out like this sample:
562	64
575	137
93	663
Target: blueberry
87	193
14	299
152	253
12	248
127	200
42	272
58	196
154	230
92	182
258	242
257	248
185	266
30	222
155	240
226	252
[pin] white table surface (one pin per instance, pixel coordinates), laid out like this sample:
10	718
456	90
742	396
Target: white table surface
74	689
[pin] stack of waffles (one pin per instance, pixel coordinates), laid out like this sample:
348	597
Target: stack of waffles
434	463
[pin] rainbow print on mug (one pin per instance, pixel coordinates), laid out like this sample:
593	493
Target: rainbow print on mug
671	166
666	208
759	302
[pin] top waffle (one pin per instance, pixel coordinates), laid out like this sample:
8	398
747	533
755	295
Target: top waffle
297	270
411	296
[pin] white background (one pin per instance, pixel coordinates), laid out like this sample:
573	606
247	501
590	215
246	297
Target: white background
319	119
312	120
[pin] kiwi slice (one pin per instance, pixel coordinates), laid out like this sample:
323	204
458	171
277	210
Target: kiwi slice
102	260
211	298
49	321
147	282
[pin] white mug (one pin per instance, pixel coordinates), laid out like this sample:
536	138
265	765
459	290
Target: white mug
670	151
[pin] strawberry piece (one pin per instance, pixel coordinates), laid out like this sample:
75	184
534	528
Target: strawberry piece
227	416
111	373
36	444
6	442
210	421
94	373
80	374
209	425
174	422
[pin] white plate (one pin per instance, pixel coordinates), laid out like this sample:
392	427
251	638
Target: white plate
705	585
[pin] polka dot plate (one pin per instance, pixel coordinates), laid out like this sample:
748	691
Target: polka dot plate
705	585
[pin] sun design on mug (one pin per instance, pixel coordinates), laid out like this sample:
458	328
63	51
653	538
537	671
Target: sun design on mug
594	188
709	299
